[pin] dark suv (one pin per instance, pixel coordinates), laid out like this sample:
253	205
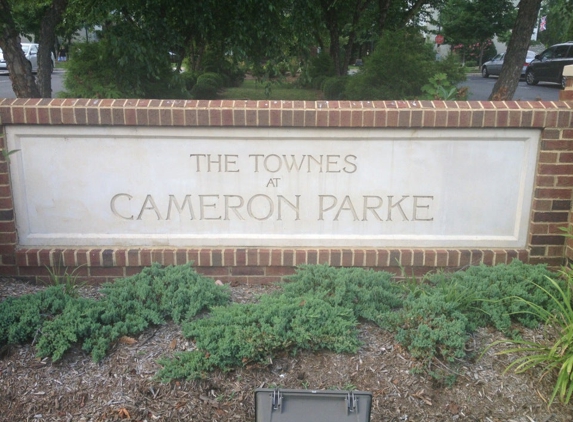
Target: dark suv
548	66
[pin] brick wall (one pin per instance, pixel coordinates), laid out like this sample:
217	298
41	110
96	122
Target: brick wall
551	208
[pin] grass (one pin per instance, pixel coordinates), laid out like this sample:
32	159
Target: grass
253	90
471	69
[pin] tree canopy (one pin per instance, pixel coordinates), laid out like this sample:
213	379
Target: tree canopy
474	22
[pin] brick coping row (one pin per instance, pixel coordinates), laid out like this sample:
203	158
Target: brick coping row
237	113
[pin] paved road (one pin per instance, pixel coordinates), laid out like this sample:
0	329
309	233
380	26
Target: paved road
6	85
479	88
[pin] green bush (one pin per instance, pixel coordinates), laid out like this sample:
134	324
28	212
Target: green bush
432	326
104	70
189	79
318	81
22	317
218	63
129	306
321	65
243	334
401	64
215	78
334	88
494	291
205	89
369	294
317	308
555	351
438	316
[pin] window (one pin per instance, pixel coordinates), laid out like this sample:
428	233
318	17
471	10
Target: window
561	51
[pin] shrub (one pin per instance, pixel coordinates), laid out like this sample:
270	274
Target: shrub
333	88
189	79
438	316
129	306
321	65
432	326
555	352
243	334
214	62
401	64
494	291
214	78
317	82
22	317
370	294
104	70
205	88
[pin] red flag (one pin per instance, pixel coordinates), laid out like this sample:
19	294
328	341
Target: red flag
543	24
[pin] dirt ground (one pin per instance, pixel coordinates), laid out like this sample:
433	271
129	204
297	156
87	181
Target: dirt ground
121	387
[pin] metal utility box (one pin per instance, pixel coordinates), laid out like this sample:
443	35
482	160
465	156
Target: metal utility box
279	405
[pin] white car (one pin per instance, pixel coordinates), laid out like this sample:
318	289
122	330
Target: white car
31	53
493	67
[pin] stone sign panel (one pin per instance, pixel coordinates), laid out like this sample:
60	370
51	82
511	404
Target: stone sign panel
144	186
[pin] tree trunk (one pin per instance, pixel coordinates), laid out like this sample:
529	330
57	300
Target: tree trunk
50	20
19	67
506	84
331	20
383	6
481	51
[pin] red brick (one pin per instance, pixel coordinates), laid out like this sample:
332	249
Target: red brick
441	258
429	258
213	271
564	181
370	258
406	258
347	258
547	157
500	257
205	258
263	281
382	258
557	169
453	258
312	257
562	145
394	258
553	193
324	256
252	256
106	272
488	257
168	257
217	257
280	271
241	271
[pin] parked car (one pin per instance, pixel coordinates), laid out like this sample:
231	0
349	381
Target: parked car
548	66
31	53
493	67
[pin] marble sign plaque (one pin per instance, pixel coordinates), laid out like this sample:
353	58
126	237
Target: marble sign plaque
288	187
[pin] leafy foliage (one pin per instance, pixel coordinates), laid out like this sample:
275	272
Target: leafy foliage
369	294
111	68
129	306
22	317
244	334
439	88
439	315
334	88
402	63
318	308
558	320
